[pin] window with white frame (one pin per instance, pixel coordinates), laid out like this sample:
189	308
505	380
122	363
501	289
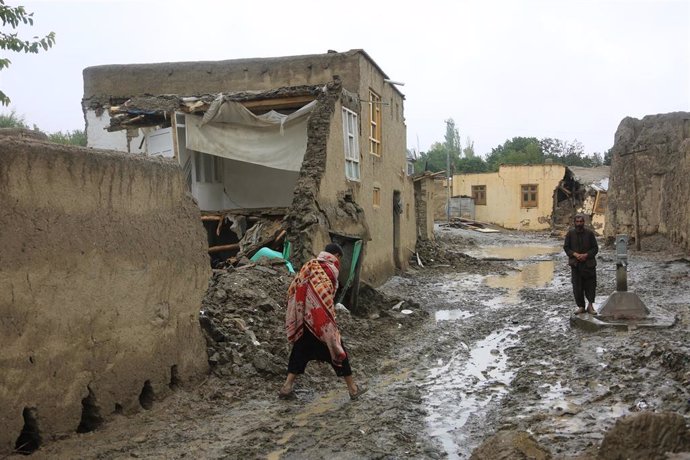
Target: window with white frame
351	140
208	168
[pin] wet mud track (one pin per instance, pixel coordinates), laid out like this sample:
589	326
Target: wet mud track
482	352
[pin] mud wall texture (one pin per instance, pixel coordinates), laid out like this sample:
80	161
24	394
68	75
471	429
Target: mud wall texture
195	78
649	183
102	270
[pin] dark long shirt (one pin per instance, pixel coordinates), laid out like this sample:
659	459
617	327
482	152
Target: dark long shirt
581	242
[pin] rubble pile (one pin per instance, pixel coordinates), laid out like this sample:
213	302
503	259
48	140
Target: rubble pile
243	319
446	252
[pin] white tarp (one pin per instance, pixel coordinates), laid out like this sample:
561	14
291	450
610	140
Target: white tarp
230	130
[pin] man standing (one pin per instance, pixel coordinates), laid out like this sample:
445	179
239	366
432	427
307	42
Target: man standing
310	321
582	248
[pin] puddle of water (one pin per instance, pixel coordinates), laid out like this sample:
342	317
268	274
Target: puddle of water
532	275
462	388
452	315
515	252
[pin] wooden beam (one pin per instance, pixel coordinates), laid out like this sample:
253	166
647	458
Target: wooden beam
225	247
279	103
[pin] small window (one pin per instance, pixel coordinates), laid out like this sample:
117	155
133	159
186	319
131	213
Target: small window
208	168
529	195
410	167
375	123
351	144
377	196
479	194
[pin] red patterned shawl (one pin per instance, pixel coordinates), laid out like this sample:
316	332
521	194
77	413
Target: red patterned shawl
311	304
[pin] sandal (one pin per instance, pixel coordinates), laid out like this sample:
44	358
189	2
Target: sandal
579	311
361	389
287	396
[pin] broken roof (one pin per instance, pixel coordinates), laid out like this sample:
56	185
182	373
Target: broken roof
597	177
151	110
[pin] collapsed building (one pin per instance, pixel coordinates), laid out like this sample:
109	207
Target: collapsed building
312	148
649	186
533	197
582	191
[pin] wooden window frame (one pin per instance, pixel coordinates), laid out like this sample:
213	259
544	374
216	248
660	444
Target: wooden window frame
479	194
376	197
529	195
351	144
375	137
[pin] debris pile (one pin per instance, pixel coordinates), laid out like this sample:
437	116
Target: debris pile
444	253
243	316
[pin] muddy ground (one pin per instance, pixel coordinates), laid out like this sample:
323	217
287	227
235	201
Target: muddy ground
477	347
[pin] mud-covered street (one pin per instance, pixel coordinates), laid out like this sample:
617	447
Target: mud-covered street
481	343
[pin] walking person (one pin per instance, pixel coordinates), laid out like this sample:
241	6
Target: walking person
310	322
581	247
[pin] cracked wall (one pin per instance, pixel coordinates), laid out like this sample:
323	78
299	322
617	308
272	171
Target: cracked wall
650	174
102	271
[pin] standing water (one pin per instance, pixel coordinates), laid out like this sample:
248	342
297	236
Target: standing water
462	388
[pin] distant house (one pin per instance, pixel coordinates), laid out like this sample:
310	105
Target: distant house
536	197
317	142
516	197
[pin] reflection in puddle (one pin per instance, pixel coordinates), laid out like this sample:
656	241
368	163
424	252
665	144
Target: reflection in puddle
462	388
532	275
514	252
452	315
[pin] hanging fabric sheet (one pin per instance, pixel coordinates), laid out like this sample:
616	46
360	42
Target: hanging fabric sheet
230	130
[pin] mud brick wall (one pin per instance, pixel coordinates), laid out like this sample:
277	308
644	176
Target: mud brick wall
650	168
103	266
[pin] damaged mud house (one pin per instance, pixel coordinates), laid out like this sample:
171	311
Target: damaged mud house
532	197
317	140
288	153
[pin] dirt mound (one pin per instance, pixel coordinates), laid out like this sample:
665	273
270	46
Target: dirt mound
243	318
510	445
646	435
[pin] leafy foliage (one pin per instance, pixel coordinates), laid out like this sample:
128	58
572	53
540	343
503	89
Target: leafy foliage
607	156
516	151
74	137
13	17
12	120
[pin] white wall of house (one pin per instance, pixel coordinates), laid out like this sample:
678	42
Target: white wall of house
98	137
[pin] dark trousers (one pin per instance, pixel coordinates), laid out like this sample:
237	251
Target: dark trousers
584	284
309	348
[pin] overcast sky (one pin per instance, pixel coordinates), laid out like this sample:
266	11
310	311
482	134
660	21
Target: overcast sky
564	69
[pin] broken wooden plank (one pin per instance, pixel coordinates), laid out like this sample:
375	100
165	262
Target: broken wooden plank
279	103
223	247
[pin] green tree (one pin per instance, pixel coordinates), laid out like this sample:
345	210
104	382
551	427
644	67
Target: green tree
452	139
607	156
569	153
12	120
468	151
435	158
13	17
518	150
472	164
74	137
